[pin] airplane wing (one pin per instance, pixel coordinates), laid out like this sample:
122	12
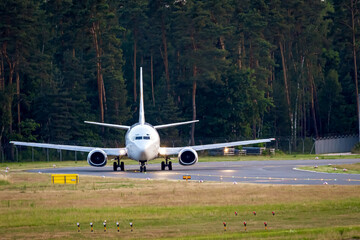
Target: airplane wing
108	151
166	151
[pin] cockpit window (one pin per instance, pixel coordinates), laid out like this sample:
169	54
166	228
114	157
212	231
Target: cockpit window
147	137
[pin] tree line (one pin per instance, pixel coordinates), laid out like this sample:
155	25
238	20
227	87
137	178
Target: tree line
245	69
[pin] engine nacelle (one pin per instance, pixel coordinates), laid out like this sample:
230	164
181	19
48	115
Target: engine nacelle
188	156
97	158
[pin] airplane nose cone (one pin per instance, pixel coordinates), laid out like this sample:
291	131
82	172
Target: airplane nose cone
144	155
145	151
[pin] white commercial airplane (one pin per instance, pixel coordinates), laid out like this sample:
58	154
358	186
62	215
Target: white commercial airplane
142	144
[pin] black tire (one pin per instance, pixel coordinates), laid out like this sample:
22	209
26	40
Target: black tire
170	166
144	168
115	166
141	168
162	166
122	166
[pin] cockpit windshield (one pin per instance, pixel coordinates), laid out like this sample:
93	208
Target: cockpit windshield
142	137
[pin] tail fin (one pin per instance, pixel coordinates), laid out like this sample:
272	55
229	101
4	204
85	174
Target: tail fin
141	107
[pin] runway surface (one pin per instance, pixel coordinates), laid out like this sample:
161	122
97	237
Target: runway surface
261	172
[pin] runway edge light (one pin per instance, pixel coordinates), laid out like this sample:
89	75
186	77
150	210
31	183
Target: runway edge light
254	213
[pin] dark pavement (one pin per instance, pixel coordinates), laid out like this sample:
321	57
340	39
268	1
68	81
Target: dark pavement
261	172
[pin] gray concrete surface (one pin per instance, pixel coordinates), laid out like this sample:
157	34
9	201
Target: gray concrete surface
261	172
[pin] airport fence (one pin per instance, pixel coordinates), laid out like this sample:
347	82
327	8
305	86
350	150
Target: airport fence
336	144
10	153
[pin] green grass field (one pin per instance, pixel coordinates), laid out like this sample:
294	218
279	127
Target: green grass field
343	168
32	207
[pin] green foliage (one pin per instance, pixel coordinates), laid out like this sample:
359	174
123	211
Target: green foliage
279	153
28	128
4	182
229	50
356	148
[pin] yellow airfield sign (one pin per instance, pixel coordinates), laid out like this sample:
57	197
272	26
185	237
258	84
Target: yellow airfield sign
65	178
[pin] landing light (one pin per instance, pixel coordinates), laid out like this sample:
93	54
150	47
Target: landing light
226	150
162	151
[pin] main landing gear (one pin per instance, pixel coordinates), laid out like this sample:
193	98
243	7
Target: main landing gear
118	164
142	167
165	164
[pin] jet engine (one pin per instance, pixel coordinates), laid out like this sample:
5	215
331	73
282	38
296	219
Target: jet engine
97	158
188	156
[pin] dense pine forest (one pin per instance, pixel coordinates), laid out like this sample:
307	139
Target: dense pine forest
245	68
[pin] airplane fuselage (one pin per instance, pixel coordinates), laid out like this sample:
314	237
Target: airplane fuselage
142	142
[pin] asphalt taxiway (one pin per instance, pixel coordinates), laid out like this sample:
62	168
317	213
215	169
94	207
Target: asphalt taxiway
261	172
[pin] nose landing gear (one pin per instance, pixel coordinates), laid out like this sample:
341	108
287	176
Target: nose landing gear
142	167
166	164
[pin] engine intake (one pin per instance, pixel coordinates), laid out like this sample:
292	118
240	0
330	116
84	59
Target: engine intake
188	156
97	158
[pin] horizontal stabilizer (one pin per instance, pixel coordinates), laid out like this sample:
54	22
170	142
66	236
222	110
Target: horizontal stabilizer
174	124
109	125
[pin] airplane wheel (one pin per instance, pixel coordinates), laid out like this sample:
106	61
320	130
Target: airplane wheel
122	166
162	166
115	166
170	166
144	168
141	168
